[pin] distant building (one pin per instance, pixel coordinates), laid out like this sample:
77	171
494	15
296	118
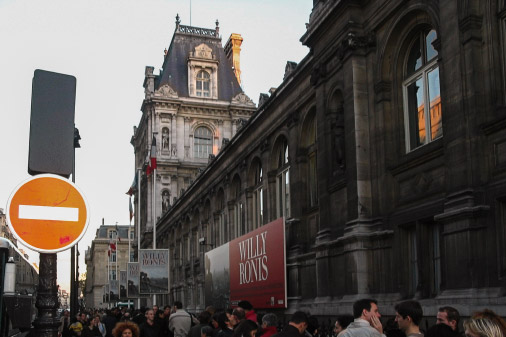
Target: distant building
191	110
104	264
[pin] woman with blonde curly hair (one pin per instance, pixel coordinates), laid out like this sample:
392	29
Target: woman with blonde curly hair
482	327
126	329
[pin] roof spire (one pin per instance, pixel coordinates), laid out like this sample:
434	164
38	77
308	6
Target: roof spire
217	28
177	21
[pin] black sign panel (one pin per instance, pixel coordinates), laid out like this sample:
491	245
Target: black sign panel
52	123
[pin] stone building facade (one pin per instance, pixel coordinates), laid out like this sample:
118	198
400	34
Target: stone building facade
102	266
192	108
385	151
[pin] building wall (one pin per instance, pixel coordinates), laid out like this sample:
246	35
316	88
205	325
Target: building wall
98	265
390	220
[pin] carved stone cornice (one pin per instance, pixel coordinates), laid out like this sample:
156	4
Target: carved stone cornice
243	99
166	91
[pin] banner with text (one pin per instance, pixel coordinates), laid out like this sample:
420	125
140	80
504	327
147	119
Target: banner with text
154	271
133	280
255	267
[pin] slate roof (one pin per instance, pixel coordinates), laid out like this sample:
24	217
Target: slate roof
122	231
175	66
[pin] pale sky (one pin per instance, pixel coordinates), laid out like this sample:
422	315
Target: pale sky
106	45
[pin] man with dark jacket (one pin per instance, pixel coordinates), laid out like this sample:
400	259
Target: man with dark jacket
109	322
296	326
149	328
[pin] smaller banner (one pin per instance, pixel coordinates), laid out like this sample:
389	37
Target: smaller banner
106	293
123	284
154	271
133	280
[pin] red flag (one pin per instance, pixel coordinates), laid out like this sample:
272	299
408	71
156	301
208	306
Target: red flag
112	246
153	154
130	208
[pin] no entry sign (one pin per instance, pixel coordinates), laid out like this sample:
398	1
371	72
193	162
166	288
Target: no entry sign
47	213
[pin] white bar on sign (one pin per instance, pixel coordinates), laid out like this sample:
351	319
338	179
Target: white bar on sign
48	213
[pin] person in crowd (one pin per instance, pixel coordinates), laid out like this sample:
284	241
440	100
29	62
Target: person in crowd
92	330
296	326
210	309
149	328
126	329
204	320
441	330
248	310
312	326
342	322
63	329
226	328
109	322
366	321
247	328
100	325
238	316
269	324
179	321
140	317
206	331
490	315
75	327
482	327
391	329
165	322
449	316
408	315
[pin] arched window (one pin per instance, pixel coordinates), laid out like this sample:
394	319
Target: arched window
238	208
203	145
422	99
283	182
203	80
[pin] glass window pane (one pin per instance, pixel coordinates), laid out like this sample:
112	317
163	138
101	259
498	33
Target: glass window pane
415	58
416	113
436	125
431	51
287	194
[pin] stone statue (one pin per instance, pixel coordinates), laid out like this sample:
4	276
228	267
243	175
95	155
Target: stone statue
165	201
165	139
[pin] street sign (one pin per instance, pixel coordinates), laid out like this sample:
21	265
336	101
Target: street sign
47	213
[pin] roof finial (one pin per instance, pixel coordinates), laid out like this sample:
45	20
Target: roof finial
177	21
217	28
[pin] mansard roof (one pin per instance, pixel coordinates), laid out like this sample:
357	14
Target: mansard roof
175	65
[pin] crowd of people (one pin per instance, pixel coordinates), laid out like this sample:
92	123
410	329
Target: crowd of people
243	321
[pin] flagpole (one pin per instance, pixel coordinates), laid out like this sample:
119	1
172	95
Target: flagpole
138	223
154	220
116	268
129	228
108	292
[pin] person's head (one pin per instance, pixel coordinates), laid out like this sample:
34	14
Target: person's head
342	323
441	330
312	325
232	320
482	327
66	313
178	305
269	320
150	315
155	308
206	331
449	316
408	315
205	317
492	316
239	314
246	328
365	309
166	311
299	320
97	319
126	316
210	309
246	305
126	329
223	320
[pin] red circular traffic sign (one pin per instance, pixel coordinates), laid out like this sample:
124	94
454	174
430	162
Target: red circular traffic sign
47	213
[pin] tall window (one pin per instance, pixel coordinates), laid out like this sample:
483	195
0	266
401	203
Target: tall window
422	99
112	234
203	142
258	198
413	260
203	81
113	256
112	274
283	182
311	153
238	208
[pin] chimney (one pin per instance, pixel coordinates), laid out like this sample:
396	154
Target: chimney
233	52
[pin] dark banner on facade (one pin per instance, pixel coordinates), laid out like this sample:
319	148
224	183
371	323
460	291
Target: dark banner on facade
113	290
256	269
133	277
154	271
122	284
217	280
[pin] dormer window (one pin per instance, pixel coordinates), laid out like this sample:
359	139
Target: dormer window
203	84
202	72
